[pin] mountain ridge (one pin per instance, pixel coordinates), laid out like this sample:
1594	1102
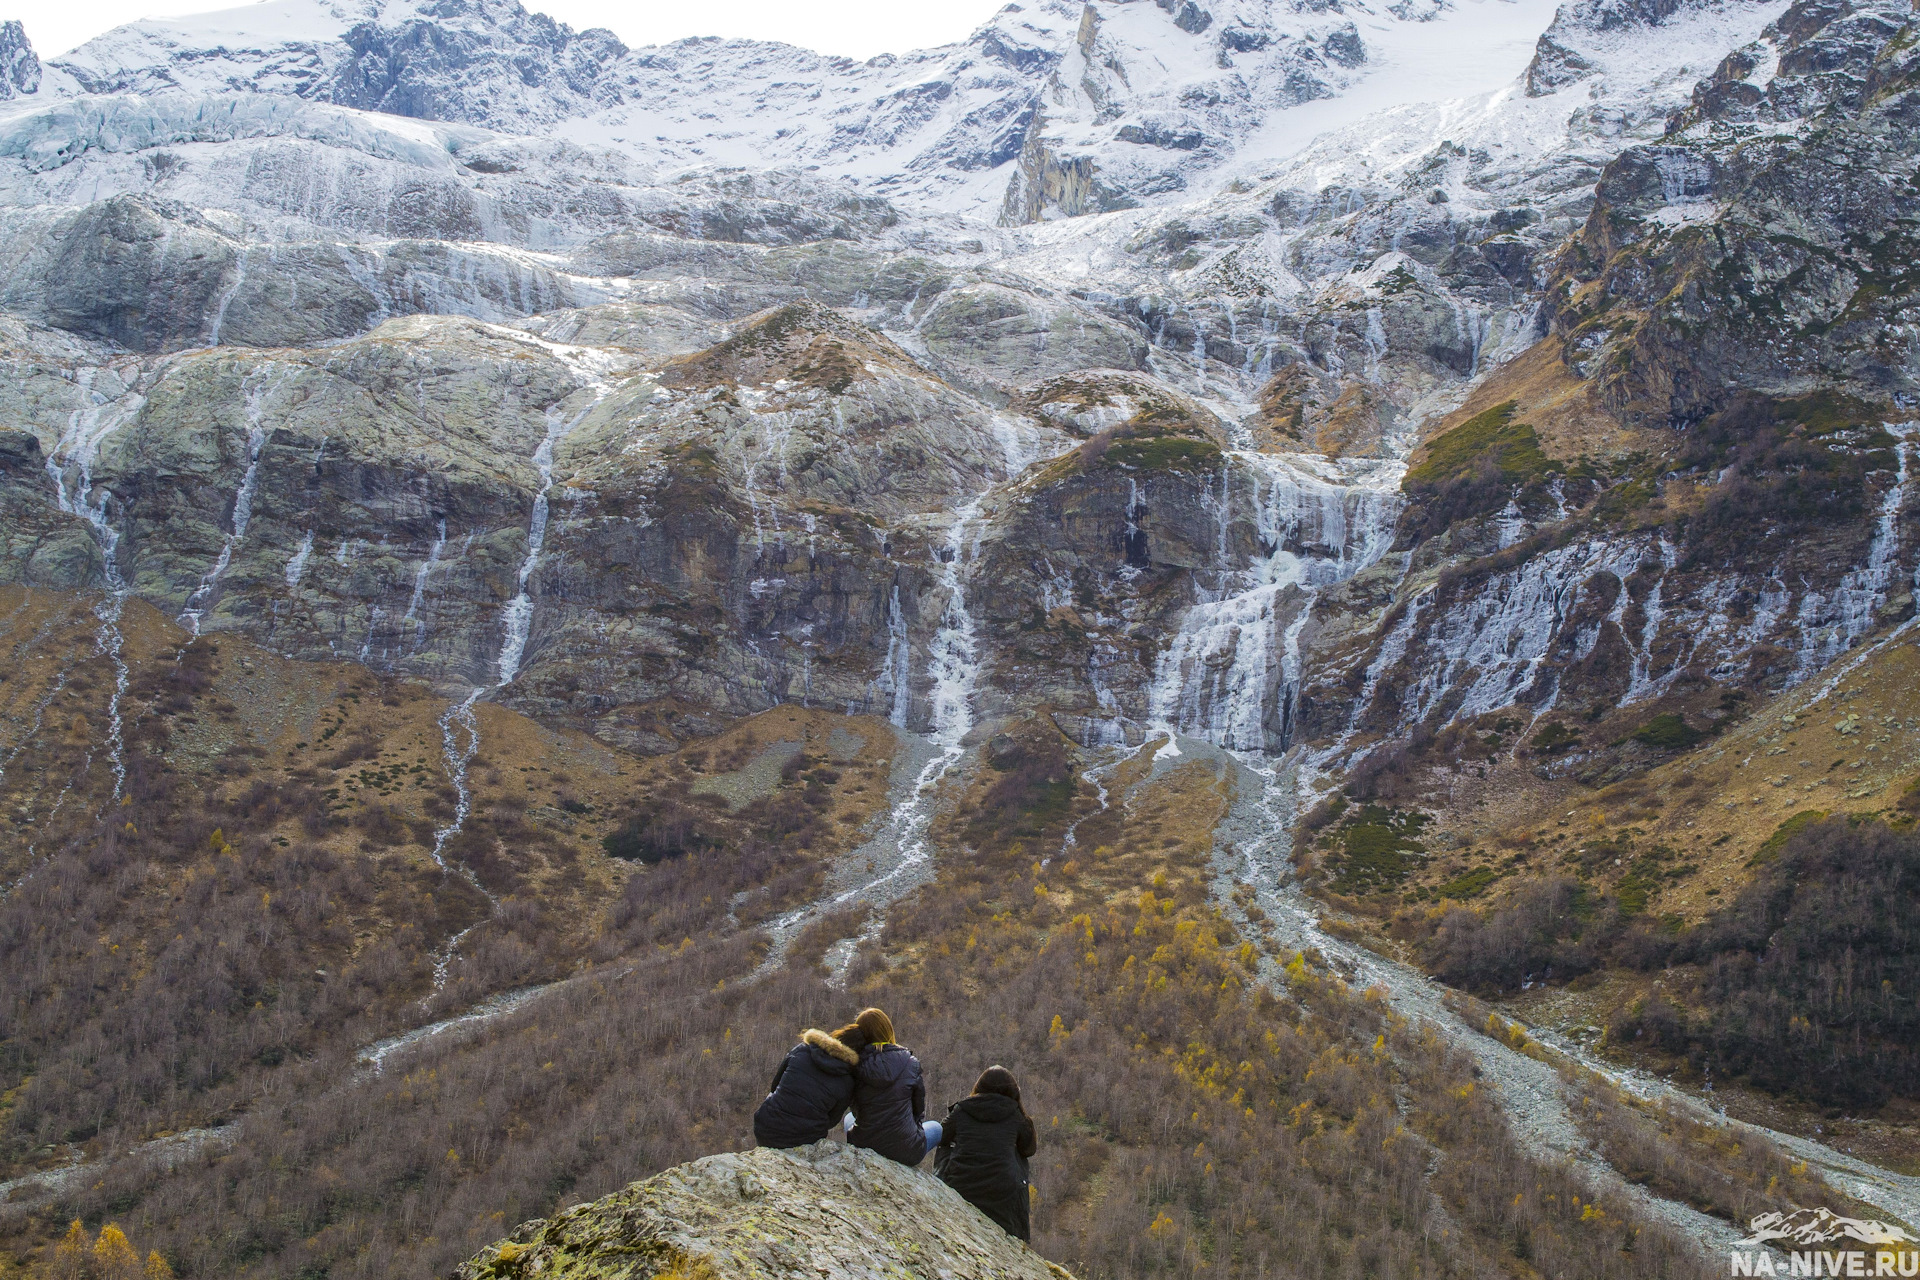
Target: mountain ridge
1193	518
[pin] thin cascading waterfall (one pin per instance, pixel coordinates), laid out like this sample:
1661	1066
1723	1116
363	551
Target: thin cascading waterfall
460	726
1376	340
1231	672
1392	649
1511	524
953	671
1830	625
1019	444
1497	640
1199	352
79	448
893	679
954	656
1111	729
297	563
412	618
254	400
1640	683
776	432
519	614
226	298
374	615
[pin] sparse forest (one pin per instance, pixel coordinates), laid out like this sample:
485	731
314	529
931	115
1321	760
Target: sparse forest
1192	1121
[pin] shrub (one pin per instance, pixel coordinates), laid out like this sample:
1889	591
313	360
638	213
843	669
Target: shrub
1668	732
1032	790
1554	737
663	828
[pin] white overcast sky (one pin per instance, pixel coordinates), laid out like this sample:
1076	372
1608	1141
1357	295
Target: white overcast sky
856	28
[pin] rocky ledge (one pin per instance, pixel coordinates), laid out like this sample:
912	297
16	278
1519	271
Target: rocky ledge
827	1209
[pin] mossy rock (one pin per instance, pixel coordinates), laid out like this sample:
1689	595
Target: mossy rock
824	1210
1164	453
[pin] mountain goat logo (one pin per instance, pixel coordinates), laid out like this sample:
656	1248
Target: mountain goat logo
1819	1226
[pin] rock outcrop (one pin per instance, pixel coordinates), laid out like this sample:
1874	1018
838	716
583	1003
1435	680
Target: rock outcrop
828	1209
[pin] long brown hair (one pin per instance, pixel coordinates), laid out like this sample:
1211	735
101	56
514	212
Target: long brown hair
851	1036
998	1079
877	1026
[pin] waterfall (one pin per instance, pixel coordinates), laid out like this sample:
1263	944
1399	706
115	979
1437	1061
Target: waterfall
1392	649
253	399
297	564
79	447
1829	625
893	679
1511	524
776	434
1639	683
226	298
412	617
460	727
954	659
1490	646
519	614
1231	673
953	670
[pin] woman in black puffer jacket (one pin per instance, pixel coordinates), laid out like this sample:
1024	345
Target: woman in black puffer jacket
811	1089
984	1150
889	1097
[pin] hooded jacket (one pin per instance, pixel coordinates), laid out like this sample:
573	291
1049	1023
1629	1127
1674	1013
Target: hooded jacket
983	1155
889	1103
809	1093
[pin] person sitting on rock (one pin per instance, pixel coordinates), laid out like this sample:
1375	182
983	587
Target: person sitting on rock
988	1139
889	1115
811	1089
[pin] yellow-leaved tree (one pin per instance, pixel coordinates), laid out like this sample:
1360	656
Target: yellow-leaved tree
108	1256
113	1256
71	1257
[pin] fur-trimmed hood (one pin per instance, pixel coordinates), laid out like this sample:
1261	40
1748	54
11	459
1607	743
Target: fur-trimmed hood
817	1039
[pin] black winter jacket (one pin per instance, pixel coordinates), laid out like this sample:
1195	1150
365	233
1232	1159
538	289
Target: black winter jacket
983	1155
809	1094
889	1103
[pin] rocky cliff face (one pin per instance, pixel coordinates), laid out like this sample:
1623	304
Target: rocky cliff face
568	531
705	443
770	1214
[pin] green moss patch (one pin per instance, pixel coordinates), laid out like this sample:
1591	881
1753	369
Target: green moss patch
1470	884
1786	831
1377	850
1826	412
1554	737
1165	453
1512	448
1668	732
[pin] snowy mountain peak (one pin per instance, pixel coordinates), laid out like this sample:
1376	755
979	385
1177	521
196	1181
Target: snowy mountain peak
486	62
1050	109
19	67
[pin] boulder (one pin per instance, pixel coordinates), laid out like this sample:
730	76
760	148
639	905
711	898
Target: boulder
827	1209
